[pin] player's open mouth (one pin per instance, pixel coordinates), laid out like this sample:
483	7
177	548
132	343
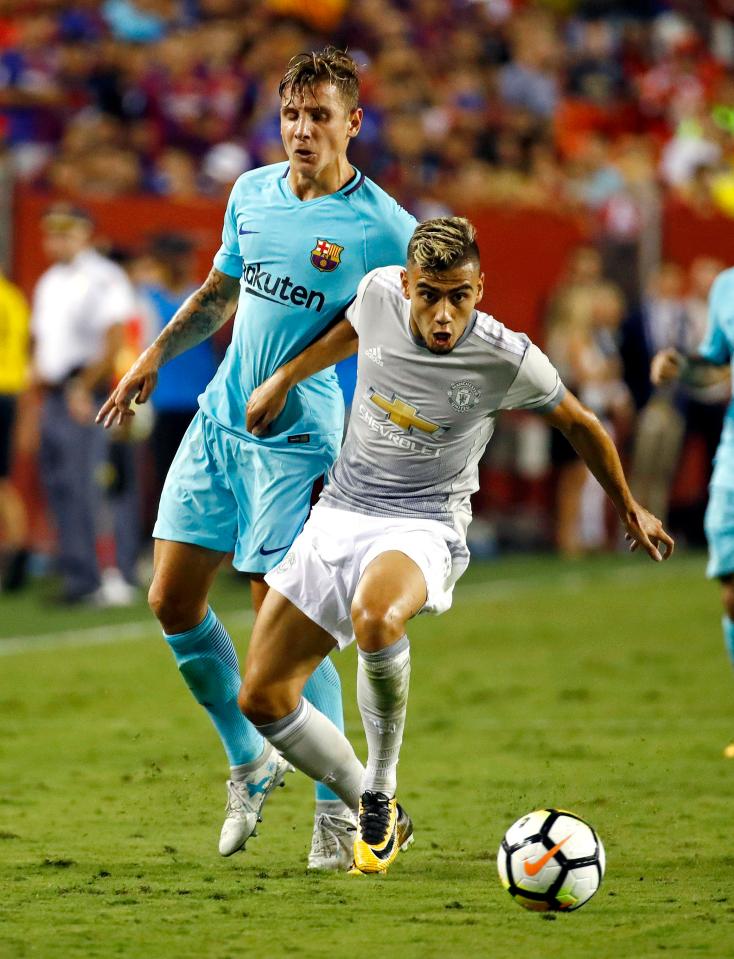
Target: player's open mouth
304	154
442	338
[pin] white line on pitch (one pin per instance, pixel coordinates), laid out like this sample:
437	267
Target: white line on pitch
491	590
92	636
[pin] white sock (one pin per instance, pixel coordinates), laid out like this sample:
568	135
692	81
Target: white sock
315	746
383	679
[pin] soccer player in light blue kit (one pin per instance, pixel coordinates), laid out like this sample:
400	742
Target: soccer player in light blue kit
298	237
716	351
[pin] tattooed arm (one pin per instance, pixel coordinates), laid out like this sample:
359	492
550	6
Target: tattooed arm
202	314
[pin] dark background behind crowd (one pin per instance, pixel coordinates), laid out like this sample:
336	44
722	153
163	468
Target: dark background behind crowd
612	118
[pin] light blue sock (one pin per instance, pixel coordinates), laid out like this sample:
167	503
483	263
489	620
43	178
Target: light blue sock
207	660
324	691
728	627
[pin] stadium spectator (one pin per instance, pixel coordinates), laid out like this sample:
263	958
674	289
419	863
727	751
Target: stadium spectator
80	306
661	424
584	339
566	316
14	340
182	380
144	21
31	96
705	403
174	175
603	390
529	80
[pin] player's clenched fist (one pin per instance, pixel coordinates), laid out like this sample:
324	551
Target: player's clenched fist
666	366
265	403
136	385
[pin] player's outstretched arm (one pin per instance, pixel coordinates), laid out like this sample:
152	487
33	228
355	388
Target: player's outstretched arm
666	367
669	366
267	400
594	445
201	315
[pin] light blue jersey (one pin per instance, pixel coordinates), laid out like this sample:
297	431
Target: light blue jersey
299	264
718	347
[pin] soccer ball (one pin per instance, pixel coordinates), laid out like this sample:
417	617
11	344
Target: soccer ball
551	859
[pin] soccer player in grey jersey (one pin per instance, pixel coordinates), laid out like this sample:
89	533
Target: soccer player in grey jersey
387	539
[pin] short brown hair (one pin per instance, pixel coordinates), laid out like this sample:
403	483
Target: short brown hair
328	65
443	243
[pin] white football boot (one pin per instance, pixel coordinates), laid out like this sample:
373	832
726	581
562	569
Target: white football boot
332	843
245	801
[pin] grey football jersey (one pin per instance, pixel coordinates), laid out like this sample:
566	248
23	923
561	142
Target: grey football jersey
420	421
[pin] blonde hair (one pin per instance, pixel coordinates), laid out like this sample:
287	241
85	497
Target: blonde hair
329	65
443	243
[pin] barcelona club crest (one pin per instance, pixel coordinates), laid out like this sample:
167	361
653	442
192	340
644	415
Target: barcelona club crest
326	256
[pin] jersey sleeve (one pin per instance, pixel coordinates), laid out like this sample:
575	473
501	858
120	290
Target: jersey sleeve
228	259
354	310
537	385
389	247
715	346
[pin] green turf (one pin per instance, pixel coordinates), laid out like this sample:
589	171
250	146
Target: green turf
600	686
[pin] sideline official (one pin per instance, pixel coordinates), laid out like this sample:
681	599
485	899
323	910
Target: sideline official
80	306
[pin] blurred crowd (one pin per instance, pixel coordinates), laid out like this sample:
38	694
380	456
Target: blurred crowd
585	105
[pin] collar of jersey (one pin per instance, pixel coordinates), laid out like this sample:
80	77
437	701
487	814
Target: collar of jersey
349	187
422	345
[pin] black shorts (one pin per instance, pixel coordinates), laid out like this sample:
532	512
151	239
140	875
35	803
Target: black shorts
8	404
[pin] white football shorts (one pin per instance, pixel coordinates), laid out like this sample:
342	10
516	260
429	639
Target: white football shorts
321	571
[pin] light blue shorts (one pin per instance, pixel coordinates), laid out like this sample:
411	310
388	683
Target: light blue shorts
232	495
719	526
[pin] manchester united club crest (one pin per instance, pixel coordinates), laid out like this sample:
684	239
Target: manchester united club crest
464	396
326	256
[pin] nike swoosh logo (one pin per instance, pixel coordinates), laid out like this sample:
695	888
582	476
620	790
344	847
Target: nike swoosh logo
533	868
278	549
242	232
386	852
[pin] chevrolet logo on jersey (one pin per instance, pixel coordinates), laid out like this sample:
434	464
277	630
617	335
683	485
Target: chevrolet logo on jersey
402	414
326	256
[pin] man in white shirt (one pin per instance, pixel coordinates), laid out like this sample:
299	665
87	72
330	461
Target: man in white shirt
80	306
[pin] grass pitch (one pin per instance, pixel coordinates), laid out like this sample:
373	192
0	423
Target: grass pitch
601	687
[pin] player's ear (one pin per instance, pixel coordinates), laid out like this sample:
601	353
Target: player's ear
355	122
480	287
404	284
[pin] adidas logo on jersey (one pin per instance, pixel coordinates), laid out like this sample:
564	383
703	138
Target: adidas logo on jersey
374	353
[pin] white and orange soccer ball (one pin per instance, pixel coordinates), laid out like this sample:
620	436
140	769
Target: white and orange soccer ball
551	860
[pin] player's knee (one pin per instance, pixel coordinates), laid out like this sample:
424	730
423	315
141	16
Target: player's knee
376	625
259	703
174	610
